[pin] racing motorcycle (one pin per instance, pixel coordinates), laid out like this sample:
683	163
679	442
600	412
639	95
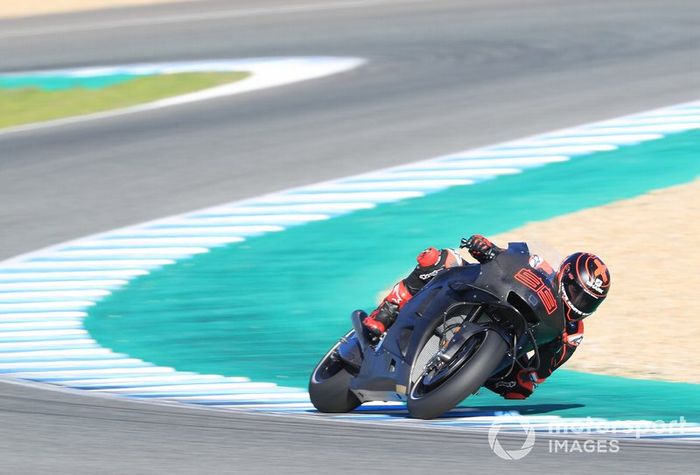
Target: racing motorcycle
467	325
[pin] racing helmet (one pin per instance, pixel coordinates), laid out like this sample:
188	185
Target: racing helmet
584	282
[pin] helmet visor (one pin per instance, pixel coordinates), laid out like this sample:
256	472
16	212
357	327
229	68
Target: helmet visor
581	302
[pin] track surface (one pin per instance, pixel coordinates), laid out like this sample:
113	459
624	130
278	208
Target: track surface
443	75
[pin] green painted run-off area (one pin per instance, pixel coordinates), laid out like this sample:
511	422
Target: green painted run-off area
29	99
269	308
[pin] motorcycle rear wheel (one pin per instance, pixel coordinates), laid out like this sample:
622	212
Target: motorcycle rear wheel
430	402
329	385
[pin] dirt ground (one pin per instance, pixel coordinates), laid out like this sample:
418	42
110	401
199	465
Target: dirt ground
17	8
649	326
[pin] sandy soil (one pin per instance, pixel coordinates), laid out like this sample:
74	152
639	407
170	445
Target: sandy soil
649	326
17	8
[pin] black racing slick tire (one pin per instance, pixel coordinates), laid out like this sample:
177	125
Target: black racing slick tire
329	386
430	403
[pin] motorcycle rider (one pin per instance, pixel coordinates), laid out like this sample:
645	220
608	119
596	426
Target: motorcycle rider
583	282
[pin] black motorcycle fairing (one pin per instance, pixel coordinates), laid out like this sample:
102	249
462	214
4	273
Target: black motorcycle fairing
510	295
386	371
350	351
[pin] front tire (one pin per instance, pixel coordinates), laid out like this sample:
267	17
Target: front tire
428	403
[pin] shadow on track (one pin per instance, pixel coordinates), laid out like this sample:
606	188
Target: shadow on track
400	411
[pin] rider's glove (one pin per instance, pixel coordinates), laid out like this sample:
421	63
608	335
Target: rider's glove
480	248
518	385
525	385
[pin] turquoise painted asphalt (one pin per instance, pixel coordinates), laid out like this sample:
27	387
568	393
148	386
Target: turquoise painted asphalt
269	307
62	81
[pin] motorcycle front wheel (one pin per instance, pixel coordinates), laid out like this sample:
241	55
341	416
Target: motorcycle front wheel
439	389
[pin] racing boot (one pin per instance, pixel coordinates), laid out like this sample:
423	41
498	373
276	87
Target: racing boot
430	262
384	315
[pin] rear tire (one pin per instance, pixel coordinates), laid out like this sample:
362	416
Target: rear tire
329	386
465	381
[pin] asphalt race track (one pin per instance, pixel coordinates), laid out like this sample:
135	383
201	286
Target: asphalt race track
442	76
